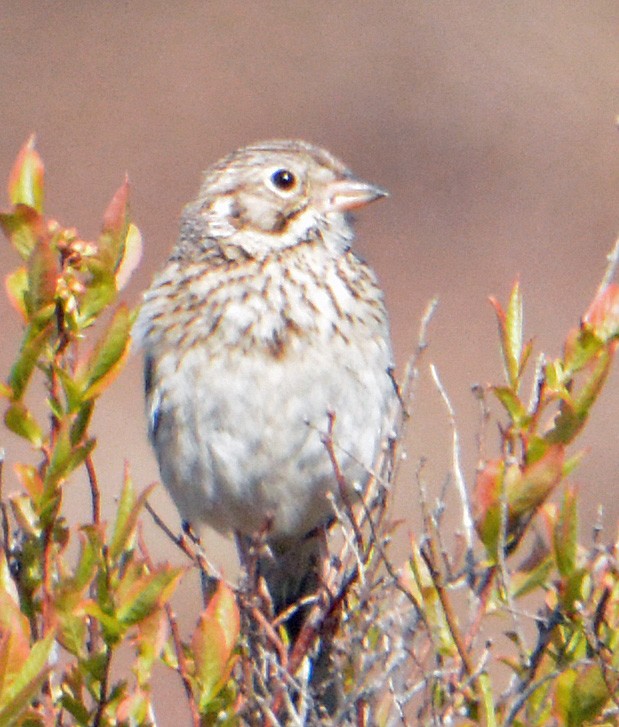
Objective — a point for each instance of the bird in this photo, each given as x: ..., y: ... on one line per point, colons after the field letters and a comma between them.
x: 264, y: 331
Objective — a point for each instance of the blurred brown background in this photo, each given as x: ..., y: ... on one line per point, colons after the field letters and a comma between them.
x: 492, y: 124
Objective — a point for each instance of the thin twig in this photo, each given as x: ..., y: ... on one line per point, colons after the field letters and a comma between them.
x: 430, y: 559
x: 179, y: 540
x: 103, y: 683
x: 95, y: 493
x: 410, y: 370
x: 6, y: 528
x: 342, y: 485
x: 467, y: 517
x: 182, y: 669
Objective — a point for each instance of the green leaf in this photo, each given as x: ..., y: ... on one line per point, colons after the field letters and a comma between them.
x: 16, y: 697
x: 486, y: 504
x: 26, y: 177
x: 424, y: 591
x: 113, y: 629
x: 106, y: 358
x: 485, y: 686
x: 564, y: 690
x: 72, y: 632
x: 573, y: 588
x: 36, y: 337
x: 24, y: 228
x: 213, y: 643
x: 71, y: 388
x: 223, y: 608
x: 211, y: 654
x: 30, y: 480
x: 81, y: 422
x: 131, y: 256
x: 148, y: 592
x: 536, y: 448
x: 581, y: 697
x: 90, y: 555
x: 565, y: 535
x: 66, y: 456
x: 530, y: 489
x: 574, y: 413
x: 127, y: 516
x: 100, y: 292
x: 16, y: 284
x: 76, y: 709
x: 20, y: 421
x: 150, y: 642
x: 513, y: 335
x: 526, y: 581
x: 513, y: 405
x: 97, y: 665
x: 586, y: 396
x: 582, y: 346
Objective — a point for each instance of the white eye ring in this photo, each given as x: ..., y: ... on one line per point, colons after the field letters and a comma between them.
x: 283, y: 181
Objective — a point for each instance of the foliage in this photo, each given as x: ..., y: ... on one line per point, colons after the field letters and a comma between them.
x: 414, y: 644
x: 61, y: 623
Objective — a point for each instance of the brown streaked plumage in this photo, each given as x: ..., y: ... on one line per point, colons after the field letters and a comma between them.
x: 261, y: 324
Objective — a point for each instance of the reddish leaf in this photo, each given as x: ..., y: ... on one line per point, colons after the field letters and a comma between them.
x: 210, y: 652
x: 603, y: 313
x: 115, y: 216
x: 42, y: 277
x: 486, y: 503
x: 530, y: 489
x: 223, y: 608
x: 115, y: 226
x: 17, y: 696
x: 14, y: 628
x: 500, y: 313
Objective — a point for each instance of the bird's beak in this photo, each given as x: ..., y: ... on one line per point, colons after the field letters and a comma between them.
x: 347, y: 194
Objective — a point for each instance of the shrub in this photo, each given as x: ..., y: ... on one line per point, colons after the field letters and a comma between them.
x: 407, y: 644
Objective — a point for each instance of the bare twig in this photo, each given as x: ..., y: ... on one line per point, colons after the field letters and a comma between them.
x: 467, y: 517
x: 342, y: 485
x: 6, y: 529
x: 95, y: 493
x: 410, y: 370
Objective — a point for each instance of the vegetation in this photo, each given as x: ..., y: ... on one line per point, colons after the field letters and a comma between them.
x: 411, y: 644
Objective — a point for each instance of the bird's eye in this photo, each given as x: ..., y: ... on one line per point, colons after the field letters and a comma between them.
x: 284, y: 180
